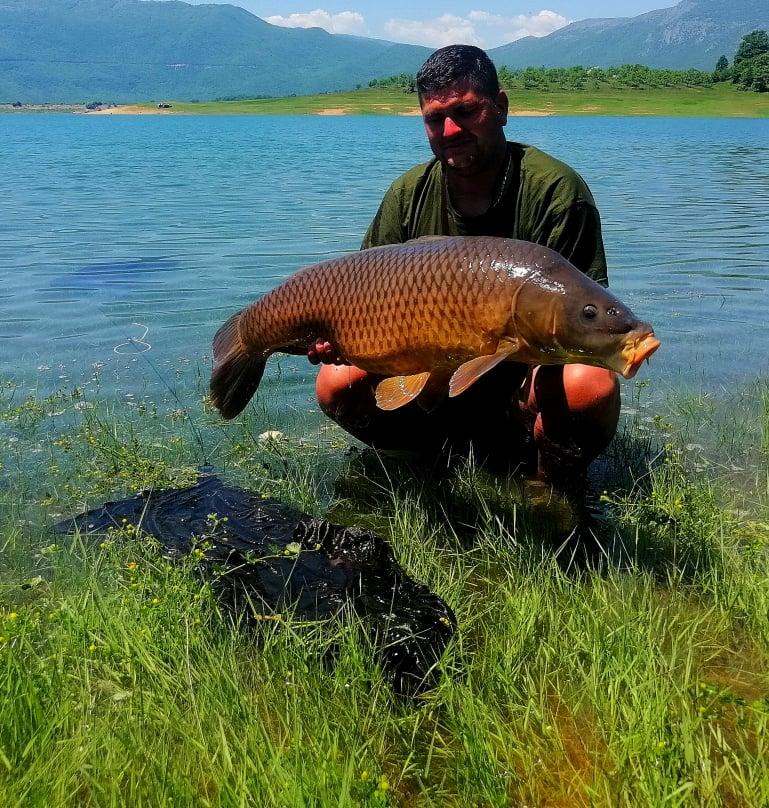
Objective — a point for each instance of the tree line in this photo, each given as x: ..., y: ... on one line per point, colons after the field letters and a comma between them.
x: 750, y: 65
x: 546, y: 79
x: 749, y: 69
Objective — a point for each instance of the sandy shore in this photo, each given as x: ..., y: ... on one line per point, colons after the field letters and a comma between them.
x: 516, y: 113
x: 129, y: 109
x: 134, y: 109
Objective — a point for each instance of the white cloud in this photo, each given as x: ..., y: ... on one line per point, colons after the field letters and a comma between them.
x: 476, y: 28
x: 345, y: 22
x: 444, y: 30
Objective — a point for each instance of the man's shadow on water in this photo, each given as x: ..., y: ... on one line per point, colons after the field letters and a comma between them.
x: 594, y: 527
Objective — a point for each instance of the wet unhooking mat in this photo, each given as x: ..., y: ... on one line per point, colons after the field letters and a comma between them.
x: 328, y: 569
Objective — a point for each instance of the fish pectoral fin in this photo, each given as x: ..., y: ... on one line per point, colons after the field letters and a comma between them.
x: 396, y: 391
x: 435, y: 390
x: 469, y: 373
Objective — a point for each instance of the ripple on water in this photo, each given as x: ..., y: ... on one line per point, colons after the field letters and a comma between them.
x: 188, y: 219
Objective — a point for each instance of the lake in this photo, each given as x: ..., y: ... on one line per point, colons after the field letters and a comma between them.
x: 123, y: 234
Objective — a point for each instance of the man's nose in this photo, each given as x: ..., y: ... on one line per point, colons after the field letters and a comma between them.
x: 450, y: 128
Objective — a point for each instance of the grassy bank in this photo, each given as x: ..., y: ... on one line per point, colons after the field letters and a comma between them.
x: 624, y: 668
x: 719, y: 100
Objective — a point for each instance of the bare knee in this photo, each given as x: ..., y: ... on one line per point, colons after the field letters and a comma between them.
x: 575, y: 405
x: 342, y: 387
x: 590, y: 389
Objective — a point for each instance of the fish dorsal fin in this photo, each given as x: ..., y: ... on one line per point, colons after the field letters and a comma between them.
x: 469, y: 373
x: 426, y: 238
x: 396, y: 391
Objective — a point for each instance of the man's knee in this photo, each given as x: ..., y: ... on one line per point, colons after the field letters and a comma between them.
x: 591, y: 389
x: 576, y: 403
x: 341, y: 387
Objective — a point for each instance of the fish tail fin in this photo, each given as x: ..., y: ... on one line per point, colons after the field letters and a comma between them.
x: 237, y: 371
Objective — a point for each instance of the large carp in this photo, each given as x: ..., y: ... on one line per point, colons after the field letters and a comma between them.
x: 433, y: 315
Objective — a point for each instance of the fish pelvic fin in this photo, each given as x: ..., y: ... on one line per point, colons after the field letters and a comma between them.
x: 469, y: 373
x: 396, y: 391
x: 236, y: 373
x: 435, y: 390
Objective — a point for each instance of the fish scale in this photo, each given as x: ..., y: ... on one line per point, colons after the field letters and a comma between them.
x: 428, y: 307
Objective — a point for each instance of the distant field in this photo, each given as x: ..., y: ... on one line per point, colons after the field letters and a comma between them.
x: 720, y: 100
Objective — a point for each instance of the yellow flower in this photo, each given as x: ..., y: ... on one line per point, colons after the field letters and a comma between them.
x: 364, y: 775
x: 383, y: 784
x: 131, y: 566
x: 12, y: 616
x: 91, y: 647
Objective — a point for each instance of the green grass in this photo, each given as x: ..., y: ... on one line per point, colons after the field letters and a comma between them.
x: 636, y: 677
x: 719, y: 100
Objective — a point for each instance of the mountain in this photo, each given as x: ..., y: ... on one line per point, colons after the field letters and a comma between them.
x: 139, y: 50
x: 135, y: 50
x: 693, y: 33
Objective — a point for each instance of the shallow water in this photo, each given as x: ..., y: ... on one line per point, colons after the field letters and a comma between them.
x: 121, y: 235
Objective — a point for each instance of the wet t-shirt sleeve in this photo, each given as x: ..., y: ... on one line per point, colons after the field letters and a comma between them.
x: 575, y: 233
x: 387, y: 226
x: 557, y: 209
x: 391, y: 222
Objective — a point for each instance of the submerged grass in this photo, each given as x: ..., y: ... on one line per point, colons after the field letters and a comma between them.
x: 624, y: 666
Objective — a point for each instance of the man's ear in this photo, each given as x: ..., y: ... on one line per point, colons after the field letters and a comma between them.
x: 502, y: 104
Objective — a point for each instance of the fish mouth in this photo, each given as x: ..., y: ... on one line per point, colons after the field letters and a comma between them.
x: 634, y: 353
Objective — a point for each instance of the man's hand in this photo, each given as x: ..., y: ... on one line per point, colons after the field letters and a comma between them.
x: 323, y: 352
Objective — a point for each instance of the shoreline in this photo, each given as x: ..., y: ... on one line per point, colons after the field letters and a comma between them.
x: 719, y: 101
x: 335, y: 112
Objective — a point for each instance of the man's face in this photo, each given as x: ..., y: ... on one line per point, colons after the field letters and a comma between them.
x: 464, y: 127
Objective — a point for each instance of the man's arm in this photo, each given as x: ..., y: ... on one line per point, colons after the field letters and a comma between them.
x: 575, y: 233
x: 388, y: 226
x: 558, y: 210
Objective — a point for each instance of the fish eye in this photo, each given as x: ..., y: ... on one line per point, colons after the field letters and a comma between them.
x: 590, y: 311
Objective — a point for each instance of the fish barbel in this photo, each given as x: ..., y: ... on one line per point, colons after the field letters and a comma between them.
x: 432, y: 315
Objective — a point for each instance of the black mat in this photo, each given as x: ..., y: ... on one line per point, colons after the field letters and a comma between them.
x: 329, y: 569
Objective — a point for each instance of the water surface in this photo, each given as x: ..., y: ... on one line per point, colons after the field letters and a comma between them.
x: 155, y: 228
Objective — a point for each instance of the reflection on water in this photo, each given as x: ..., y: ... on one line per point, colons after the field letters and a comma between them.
x: 172, y: 223
x: 114, y: 273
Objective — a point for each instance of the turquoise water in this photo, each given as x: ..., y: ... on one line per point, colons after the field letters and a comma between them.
x: 155, y: 229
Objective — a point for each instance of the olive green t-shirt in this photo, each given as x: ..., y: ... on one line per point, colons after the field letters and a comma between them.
x: 538, y: 199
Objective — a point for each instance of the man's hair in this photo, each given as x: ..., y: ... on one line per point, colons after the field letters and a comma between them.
x: 458, y: 64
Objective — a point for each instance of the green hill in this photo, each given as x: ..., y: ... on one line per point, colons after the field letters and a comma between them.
x: 127, y: 50
x: 693, y: 33
x: 144, y: 50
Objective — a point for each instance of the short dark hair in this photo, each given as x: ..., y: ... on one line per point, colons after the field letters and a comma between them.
x: 458, y: 64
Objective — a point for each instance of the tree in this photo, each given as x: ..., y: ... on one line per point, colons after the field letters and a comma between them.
x: 751, y: 62
x: 722, y: 72
x: 754, y: 73
x: 753, y: 44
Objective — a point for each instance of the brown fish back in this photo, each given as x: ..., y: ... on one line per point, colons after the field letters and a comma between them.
x: 447, y: 294
x: 427, y: 305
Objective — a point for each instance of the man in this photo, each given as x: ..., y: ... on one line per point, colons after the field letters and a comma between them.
x: 479, y: 184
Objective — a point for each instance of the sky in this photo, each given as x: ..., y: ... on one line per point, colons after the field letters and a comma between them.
x: 434, y: 23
